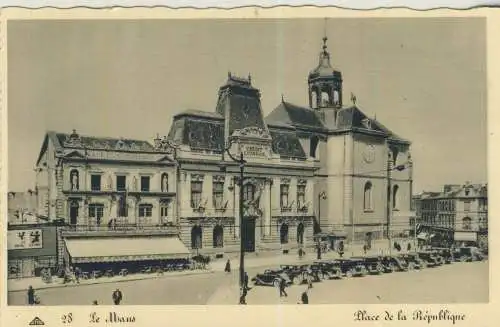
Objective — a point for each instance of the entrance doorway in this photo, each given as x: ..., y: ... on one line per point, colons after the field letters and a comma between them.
x: 249, y: 234
x: 73, y: 212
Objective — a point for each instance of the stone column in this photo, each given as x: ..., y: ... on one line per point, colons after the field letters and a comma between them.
x: 266, y: 208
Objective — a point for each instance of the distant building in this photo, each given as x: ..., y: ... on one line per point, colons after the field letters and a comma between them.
x: 457, y: 214
x: 22, y: 207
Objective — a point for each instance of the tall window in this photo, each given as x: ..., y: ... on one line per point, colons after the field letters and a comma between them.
x: 121, y: 183
x: 196, y: 190
x: 248, y: 192
x: 301, y: 196
x: 218, y: 237
x: 145, y: 183
x: 164, y: 210
x: 96, y: 211
x: 395, y: 197
x: 466, y: 223
x: 145, y: 210
x: 368, y: 205
x: 218, y: 194
x: 196, y: 237
x: 95, y: 182
x: 313, y: 146
x: 466, y: 206
x: 284, y: 234
x: 284, y: 196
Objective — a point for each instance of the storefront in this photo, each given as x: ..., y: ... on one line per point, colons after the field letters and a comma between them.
x: 123, y: 252
x: 31, y: 248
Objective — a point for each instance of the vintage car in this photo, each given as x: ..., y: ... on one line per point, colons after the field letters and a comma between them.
x: 392, y: 263
x: 429, y: 259
x: 413, y: 261
x: 467, y: 254
x: 271, y: 278
x: 373, y: 264
x: 297, y: 274
x: 445, y: 254
x: 351, y: 267
x: 328, y: 269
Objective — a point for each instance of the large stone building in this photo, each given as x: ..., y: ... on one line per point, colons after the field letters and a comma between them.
x: 325, y: 166
x: 457, y: 214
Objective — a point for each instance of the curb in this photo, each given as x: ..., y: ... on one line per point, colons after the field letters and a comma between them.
x: 111, y: 281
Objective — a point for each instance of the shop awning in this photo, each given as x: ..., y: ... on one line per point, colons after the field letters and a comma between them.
x: 113, y: 249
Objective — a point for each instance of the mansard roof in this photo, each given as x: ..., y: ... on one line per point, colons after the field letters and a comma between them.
x: 348, y: 119
x: 300, y: 117
x: 202, y: 134
x: 286, y: 144
x: 77, y: 146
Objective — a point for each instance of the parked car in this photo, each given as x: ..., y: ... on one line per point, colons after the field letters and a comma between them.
x: 373, y: 264
x: 467, y: 254
x: 329, y: 269
x: 429, y: 259
x: 445, y: 253
x: 297, y: 274
x: 271, y: 278
x: 393, y: 263
x: 352, y: 267
x: 414, y: 262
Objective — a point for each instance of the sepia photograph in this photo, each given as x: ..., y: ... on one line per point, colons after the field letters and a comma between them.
x: 247, y: 161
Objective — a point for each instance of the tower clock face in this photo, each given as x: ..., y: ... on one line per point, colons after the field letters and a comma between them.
x: 369, y: 154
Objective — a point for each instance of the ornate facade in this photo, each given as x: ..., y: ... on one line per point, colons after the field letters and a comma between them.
x: 363, y: 183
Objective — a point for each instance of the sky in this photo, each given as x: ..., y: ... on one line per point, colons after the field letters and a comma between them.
x: 424, y: 78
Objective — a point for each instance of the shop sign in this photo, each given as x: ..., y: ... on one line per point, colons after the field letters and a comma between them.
x: 24, y: 239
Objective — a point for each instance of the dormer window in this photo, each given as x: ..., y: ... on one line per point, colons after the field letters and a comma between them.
x: 367, y: 123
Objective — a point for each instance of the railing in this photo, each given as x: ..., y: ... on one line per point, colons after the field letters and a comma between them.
x: 122, y: 229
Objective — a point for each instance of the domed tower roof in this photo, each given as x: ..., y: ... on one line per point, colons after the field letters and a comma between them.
x: 324, y: 68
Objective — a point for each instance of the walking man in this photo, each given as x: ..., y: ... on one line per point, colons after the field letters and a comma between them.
x: 246, y: 282
x: 304, y: 297
x: 31, y: 296
x: 228, y: 266
x: 282, y: 287
x: 117, y: 297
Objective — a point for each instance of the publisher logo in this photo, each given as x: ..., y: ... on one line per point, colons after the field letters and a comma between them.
x: 36, y: 322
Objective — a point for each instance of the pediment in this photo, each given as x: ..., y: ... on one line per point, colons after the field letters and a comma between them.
x: 74, y: 154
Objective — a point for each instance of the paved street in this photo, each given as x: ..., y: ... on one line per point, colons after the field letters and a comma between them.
x: 456, y: 283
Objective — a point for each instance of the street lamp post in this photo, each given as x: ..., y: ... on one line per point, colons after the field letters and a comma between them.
x: 321, y: 196
x: 241, y: 161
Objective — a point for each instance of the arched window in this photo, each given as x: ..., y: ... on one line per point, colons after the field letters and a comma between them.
x: 300, y: 233
x: 395, y: 197
x: 248, y: 192
x: 313, y: 146
x: 196, y: 237
x: 325, y: 99
x: 218, y: 238
x: 336, y: 97
x: 164, y: 182
x: 284, y: 234
x: 466, y: 223
x: 314, y: 100
x: 74, y: 180
x: 368, y: 205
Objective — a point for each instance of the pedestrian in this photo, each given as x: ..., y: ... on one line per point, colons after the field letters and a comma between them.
x: 31, y: 295
x: 408, y: 248
x: 304, y: 297
x: 319, y: 251
x: 246, y: 281
x: 365, y: 247
x: 341, y: 249
x: 228, y: 266
x: 117, y: 297
x: 77, y: 275
x: 243, y: 296
x: 282, y: 287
